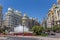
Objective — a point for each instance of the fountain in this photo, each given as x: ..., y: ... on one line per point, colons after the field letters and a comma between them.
x: 20, y: 29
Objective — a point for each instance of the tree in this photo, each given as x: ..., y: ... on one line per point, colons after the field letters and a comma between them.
x: 37, y: 30
x: 55, y: 28
x: 1, y: 30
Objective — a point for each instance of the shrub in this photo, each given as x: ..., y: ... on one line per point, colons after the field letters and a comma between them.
x: 43, y: 34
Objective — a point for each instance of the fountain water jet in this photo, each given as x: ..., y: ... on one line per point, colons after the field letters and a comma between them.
x: 19, y: 29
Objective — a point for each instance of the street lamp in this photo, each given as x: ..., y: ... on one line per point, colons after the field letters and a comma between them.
x: 23, y: 29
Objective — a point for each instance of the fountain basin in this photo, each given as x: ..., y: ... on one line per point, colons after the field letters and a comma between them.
x: 25, y: 34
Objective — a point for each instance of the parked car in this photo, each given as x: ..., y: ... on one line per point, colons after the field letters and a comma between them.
x: 58, y: 31
x: 52, y: 33
x: 47, y: 33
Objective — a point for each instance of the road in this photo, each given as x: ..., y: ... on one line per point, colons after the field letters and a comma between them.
x: 20, y: 38
x: 57, y: 35
x: 17, y: 38
x: 50, y: 37
x: 29, y: 38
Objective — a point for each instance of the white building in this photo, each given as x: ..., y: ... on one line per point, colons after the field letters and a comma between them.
x: 12, y: 18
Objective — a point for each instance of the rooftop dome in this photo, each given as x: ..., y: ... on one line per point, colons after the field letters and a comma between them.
x: 9, y: 12
x: 25, y: 16
x: 10, y: 9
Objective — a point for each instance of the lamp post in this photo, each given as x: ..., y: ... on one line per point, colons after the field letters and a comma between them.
x: 23, y: 29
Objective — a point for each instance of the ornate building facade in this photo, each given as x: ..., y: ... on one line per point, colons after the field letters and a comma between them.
x: 53, y: 17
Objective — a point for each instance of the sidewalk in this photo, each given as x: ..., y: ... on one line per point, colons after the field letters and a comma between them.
x: 3, y: 38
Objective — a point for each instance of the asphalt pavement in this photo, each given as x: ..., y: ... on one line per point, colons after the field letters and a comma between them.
x: 56, y: 37
x: 20, y: 38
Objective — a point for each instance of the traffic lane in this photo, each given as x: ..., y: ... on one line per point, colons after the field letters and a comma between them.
x: 20, y: 38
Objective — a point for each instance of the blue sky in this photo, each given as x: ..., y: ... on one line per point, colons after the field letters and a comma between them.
x: 33, y: 8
